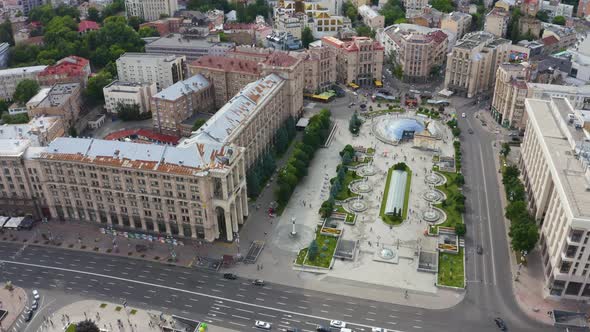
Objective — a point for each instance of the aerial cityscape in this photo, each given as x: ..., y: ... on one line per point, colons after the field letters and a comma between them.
x: 294, y: 165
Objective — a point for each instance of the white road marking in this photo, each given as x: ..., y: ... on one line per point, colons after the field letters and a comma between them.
x: 281, y: 303
x: 259, y: 299
x: 244, y: 310
x: 267, y: 315
x: 237, y: 324
x: 240, y: 317
x: 489, y: 221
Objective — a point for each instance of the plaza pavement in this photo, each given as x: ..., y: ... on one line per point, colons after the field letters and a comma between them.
x: 14, y: 302
x: 108, y: 318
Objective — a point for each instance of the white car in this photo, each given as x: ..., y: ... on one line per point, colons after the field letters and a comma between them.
x: 463, y: 115
x: 36, y: 295
x: 337, y: 323
x: 262, y: 325
x: 378, y: 329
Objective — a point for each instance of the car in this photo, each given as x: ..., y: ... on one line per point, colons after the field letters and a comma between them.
x: 262, y: 325
x: 378, y: 329
x: 36, y: 295
x: 293, y: 329
x: 321, y: 328
x: 500, y: 323
x: 337, y: 323
x: 258, y: 282
x: 230, y: 276
x: 463, y: 115
x: 470, y: 131
x: 28, y: 315
x: 479, y: 250
x: 34, y: 305
x: 350, y: 105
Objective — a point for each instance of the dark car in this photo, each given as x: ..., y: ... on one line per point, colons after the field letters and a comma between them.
x: 500, y: 323
x: 321, y: 328
x: 230, y: 276
x: 293, y: 329
x: 258, y: 282
x: 479, y: 250
x: 28, y: 315
x: 470, y: 131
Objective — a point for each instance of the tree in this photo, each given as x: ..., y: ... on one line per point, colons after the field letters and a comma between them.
x: 269, y: 164
x: 354, y: 124
x: 351, y: 12
x: 4, y: 104
x: 516, y: 211
x: 15, y: 119
x: 253, y: 183
x: 559, y: 20
x: 131, y: 112
x: 145, y: 32
x: 460, y: 180
x: 392, y: 11
x: 134, y: 22
x: 401, y: 20
x: 307, y: 37
x: 25, y: 90
x: 347, y: 148
x: 281, y: 140
x: 543, y: 15
x: 312, y: 252
x: 206, y: 5
x: 365, y: 31
x: 73, y: 132
x: 87, y: 326
x: 6, y: 35
x: 198, y: 124
x: 445, y: 6
x: 96, y: 83
x: 93, y: 15
x: 524, y: 235
x: 398, y: 71
x: 460, y: 229
x: 346, y: 158
x: 505, y: 151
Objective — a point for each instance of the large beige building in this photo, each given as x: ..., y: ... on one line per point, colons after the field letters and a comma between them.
x: 164, y: 70
x: 250, y: 119
x: 179, y: 102
x: 371, y: 18
x: 578, y: 96
x: 62, y: 99
x: 414, y: 7
x: 9, y: 79
x: 128, y: 93
x: 358, y: 61
x: 319, y: 64
x: 458, y: 23
x: 418, y: 50
x: 150, y: 10
x: 473, y: 62
x: 510, y: 92
x: 496, y: 22
x: 555, y: 159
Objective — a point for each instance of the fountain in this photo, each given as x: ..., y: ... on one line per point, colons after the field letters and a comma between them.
x: 435, y: 179
x: 357, y: 205
x: 360, y: 187
x: 434, y: 196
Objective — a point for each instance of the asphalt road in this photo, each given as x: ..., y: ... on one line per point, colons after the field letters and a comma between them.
x: 236, y: 304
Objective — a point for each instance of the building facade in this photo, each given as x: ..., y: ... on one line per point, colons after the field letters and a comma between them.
x: 473, y: 62
x: 319, y: 66
x: 418, y: 50
x: 510, y: 91
x: 456, y: 22
x: 180, y: 101
x: 497, y: 21
x: 358, y: 61
x: 72, y: 69
x: 371, y: 18
x: 554, y: 166
x: 583, y: 8
x: 414, y: 7
x: 9, y: 78
x: 62, y: 99
x: 578, y: 96
x: 189, y: 47
x: 165, y: 70
x: 150, y: 10
x: 128, y: 93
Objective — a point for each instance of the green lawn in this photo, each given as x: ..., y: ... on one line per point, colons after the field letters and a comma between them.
x: 319, y: 261
x: 71, y: 328
x: 450, y: 188
x: 390, y: 219
x: 356, y: 163
x: 349, y: 216
x: 344, y: 191
x: 370, y: 151
x: 430, y: 113
x: 451, y: 271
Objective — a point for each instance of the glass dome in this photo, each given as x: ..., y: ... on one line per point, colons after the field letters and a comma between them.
x: 394, y: 129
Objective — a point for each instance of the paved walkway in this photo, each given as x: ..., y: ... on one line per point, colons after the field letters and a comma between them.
x: 111, y: 317
x: 14, y: 302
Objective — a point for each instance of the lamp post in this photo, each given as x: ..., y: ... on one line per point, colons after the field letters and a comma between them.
x: 293, y: 232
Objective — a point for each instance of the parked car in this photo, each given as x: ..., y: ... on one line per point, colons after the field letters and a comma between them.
x: 470, y: 131
x: 337, y: 323
x: 479, y: 250
x: 463, y: 115
x: 500, y: 324
x: 36, y: 295
x: 262, y: 325
x: 321, y: 328
x: 34, y: 305
x: 258, y: 282
x: 28, y: 315
x: 293, y: 329
x: 378, y: 329
x: 230, y: 276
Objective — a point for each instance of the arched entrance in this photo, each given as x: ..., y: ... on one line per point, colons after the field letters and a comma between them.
x: 221, y: 223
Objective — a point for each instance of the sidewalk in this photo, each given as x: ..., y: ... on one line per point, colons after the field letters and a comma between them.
x: 528, y: 289
x: 14, y: 302
x: 113, y: 318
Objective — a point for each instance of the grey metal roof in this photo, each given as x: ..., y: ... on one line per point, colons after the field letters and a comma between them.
x: 176, y: 90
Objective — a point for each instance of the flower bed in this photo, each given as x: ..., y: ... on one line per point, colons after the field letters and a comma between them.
x: 331, y: 231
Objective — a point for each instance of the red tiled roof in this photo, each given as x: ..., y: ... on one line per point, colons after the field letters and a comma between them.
x: 280, y: 59
x: 150, y: 135
x: 550, y: 40
x: 72, y: 66
x: 438, y: 36
x: 226, y: 64
x: 87, y: 25
x: 36, y: 24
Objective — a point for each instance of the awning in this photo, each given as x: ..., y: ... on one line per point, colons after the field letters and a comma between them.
x: 378, y: 84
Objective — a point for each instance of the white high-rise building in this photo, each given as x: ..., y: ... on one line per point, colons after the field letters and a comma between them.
x: 128, y: 93
x: 555, y: 159
x: 150, y: 10
x: 163, y: 69
x: 9, y: 78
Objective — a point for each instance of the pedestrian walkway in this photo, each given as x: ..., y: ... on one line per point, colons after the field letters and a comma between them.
x: 113, y: 317
x: 13, y: 303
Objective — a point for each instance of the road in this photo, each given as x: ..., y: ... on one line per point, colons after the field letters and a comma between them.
x: 237, y: 304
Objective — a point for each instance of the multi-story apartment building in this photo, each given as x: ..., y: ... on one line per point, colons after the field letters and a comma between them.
x: 414, y: 7
x: 150, y: 10
x: 497, y: 21
x: 556, y: 8
x: 9, y: 79
x: 72, y: 69
x: 566, y: 36
x: 358, y: 61
x: 292, y: 24
x: 318, y: 16
x: 319, y: 66
x: 418, y: 50
x: 180, y: 101
x: 163, y: 69
x: 473, y: 62
x: 30, y: 4
x: 250, y: 119
x: 458, y: 23
x: 62, y: 99
x: 554, y: 162
x: 510, y: 92
x: 191, y: 48
x: 40, y: 130
x: 371, y: 18
x: 578, y: 96
x: 228, y: 75
x: 583, y: 8
x: 128, y: 93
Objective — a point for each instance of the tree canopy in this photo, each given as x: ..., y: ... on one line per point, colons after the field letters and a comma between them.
x: 148, y: 32
x: 247, y: 13
x: 307, y: 37
x: 87, y: 326
x: 392, y: 11
x: 96, y: 83
x: 445, y: 6
x: 25, y: 90
x: 559, y: 20
x: 6, y: 33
